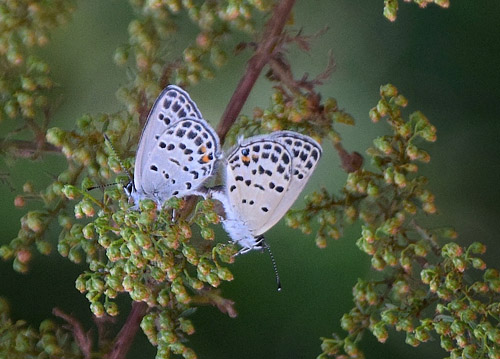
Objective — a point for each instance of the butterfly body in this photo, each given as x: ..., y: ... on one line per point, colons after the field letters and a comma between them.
x: 177, y: 151
x: 264, y: 175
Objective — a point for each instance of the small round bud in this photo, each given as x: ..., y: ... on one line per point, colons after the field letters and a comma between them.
x: 97, y: 309
x: 19, y: 201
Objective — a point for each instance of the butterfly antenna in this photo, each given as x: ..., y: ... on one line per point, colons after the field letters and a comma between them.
x: 113, y: 151
x: 102, y: 186
x: 278, y: 281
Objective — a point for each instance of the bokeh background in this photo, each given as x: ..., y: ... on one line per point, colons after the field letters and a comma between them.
x: 446, y: 62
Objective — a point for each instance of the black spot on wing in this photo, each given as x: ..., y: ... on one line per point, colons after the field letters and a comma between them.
x: 303, y: 156
x: 180, y: 132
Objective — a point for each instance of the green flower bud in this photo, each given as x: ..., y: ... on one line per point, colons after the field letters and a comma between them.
x: 186, y: 326
x: 451, y: 250
x: 477, y: 248
x: 446, y: 343
x: 458, y: 327
x: 43, y: 247
x: 80, y: 284
x: 400, y: 179
x: 372, y: 190
x: 224, y: 274
x: 412, y: 340
x: 383, y: 145
x: 75, y: 255
x: 188, y: 353
x: 35, y: 221
x: 97, y: 309
x: 459, y: 263
x: 442, y: 328
x: 404, y: 324
x: 111, y: 309
x: 71, y: 192
x: 422, y: 334
x: 213, y: 280
x: 378, y: 263
x: 55, y: 136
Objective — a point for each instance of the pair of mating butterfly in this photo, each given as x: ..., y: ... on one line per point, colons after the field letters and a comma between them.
x: 178, y: 151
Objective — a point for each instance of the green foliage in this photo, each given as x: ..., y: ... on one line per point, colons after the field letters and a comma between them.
x: 391, y: 6
x: 18, y: 340
x: 425, y: 286
x: 156, y: 25
x: 25, y: 25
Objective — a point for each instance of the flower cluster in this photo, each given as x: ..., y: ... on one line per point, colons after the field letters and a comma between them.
x: 300, y: 112
x: 155, y: 26
x: 425, y: 288
x: 25, y: 77
x: 391, y: 6
x: 18, y: 340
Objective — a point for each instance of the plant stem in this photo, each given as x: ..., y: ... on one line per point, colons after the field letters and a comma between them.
x: 124, y: 339
x: 83, y: 339
x: 26, y: 149
x: 263, y: 54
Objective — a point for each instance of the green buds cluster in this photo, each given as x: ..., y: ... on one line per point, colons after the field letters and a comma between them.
x: 156, y: 24
x: 304, y: 113
x: 18, y: 340
x: 25, y: 80
x: 391, y: 6
x: 418, y: 271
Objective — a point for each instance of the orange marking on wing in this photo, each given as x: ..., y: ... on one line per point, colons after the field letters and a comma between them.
x: 205, y: 159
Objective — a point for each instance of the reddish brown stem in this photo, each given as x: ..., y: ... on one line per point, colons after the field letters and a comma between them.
x: 263, y: 54
x: 26, y: 149
x: 125, y: 337
x: 83, y: 339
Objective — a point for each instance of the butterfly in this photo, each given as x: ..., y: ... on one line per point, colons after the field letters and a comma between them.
x: 177, y: 150
x: 264, y: 175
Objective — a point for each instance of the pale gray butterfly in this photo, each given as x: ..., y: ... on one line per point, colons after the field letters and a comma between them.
x: 177, y: 151
x: 264, y: 175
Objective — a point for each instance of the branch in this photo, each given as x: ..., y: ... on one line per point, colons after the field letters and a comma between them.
x: 83, y: 339
x: 262, y: 55
x: 124, y: 339
x: 26, y: 149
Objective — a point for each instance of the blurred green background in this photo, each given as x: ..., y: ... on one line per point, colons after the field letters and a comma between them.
x: 446, y: 62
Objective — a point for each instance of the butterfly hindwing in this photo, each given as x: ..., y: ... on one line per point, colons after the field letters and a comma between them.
x: 257, y: 174
x: 182, y: 159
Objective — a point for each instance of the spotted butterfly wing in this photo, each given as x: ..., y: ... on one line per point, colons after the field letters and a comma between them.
x: 305, y: 153
x: 177, y: 150
x: 265, y: 175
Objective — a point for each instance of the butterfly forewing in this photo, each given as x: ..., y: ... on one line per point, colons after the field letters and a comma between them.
x: 172, y: 105
x: 305, y: 154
